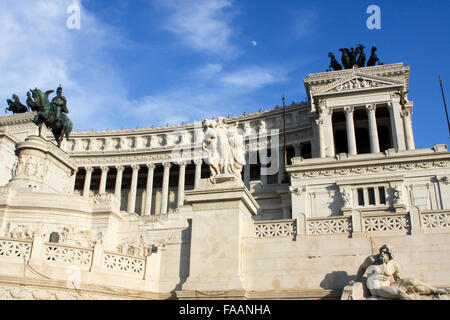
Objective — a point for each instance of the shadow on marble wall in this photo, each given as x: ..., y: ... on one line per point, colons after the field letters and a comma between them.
x: 185, y: 254
x: 336, y: 280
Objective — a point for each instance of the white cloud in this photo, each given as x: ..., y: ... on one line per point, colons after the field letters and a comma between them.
x: 253, y: 77
x: 38, y: 50
x: 304, y: 22
x: 208, y: 71
x: 202, y: 24
x: 217, y: 94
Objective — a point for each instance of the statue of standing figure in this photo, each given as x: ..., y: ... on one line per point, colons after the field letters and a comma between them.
x: 223, y: 150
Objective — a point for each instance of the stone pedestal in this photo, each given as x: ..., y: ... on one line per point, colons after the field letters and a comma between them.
x: 42, y: 167
x: 221, y: 218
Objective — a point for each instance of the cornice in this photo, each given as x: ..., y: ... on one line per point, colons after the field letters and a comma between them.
x: 330, y: 167
x: 260, y: 115
x: 20, y: 118
x: 381, y: 73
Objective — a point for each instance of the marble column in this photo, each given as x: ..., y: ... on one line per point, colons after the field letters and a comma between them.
x: 149, y: 189
x: 327, y: 118
x: 319, y: 123
x: 373, y: 130
x: 351, y: 138
x: 118, y: 187
x: 87, y: 181
x: 409, y: 138
x: 398, y: 132
x: 103, y: 178
x: 133, y: 189
x: 181, y: 180
x: 198, y: 172
x: 165, y: 188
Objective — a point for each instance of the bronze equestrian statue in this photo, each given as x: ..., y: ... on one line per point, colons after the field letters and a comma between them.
x: 52, y: 114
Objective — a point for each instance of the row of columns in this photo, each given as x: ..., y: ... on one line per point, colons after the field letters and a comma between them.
x: 373, y: 130
x: 131, y: 206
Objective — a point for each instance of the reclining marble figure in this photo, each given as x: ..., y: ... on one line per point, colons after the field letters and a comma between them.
x: 385, y: 281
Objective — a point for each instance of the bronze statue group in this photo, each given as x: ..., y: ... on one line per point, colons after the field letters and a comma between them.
x: 53, y: 114
x: 353, y: 57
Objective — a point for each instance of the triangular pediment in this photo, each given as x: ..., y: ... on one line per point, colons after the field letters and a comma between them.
x: 359, y: 81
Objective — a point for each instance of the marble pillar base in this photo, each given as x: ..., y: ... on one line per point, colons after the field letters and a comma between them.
x: 221, y: 218
x: 42, y: 167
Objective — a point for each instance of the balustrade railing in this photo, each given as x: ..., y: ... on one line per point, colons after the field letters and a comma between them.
x: 275, y: 228
x: 329, y: 225
x: 123, y: 263
x: 396, y: 223
x: 392, y: 222
x: 68, y: 254
x: 15, y: 248
x: 436, y: 219
x: 55, y: 255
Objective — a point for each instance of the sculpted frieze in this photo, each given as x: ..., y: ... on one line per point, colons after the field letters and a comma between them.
x: 370, y: 169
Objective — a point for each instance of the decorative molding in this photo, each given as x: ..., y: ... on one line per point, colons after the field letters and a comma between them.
x: 365, y: 169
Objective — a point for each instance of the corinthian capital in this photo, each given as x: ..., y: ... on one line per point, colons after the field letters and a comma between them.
x: 405, y: 113
x: 370, y: 107
x: 349, y: 110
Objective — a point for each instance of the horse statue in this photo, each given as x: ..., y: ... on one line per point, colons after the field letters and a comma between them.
x: 345, y: 59
x: 15, y: 106
x: 47, y: 113
x: 362, y: 56
x: 373, y: 58
x: 333, y: 63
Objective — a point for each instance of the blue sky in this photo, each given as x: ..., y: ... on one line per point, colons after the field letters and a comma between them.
x: 152, y: 62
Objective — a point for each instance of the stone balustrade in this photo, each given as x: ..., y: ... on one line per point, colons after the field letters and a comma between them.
x: 436, y: 219
x: 275, y: 228
x: 53, y: 256
x: 328, y: 225
x: 357, y: 224
x: 12, y: 248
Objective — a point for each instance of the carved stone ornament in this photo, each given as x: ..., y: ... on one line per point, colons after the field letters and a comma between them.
x: 444, y: 180
x: 139, y: 247
x: 297, y: 190
x: 104, y: 198
x: 346, y: 198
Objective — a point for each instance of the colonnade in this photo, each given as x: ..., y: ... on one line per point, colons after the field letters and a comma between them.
x: 372, y: 129
x: 131, y: 205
